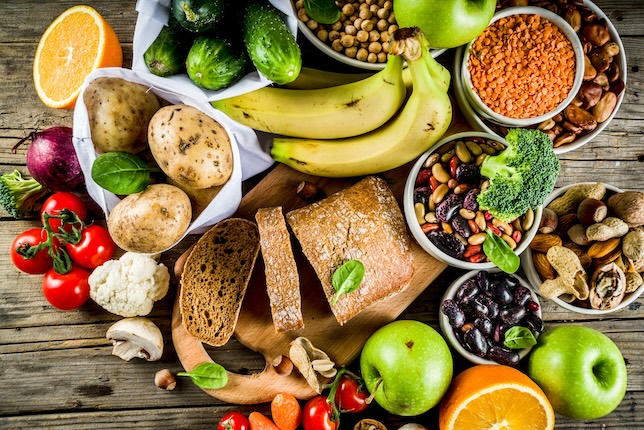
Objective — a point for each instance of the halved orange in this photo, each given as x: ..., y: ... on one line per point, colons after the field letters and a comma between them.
x: 78, y: 42
x: 495, y: 397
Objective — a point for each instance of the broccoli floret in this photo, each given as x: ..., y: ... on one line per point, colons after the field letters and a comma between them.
x: 521, y: 176
x: 19, y: 196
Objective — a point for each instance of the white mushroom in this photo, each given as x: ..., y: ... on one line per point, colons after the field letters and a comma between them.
x: 136, y: 337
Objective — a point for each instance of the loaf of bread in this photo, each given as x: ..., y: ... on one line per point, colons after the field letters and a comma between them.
x: 282, y: 279
x: 364, y: 223
x: 215, y: 278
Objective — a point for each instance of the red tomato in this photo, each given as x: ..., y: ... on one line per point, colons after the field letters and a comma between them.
x: 233, y: 421
x: 68, y: 291
x: 41, y: 262
x: 351, y: 397
x: 318, y: 415
x: 59, y: 201
x: 95, y: 247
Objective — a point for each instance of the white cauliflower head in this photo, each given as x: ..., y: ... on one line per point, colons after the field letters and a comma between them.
x: 129, y: 286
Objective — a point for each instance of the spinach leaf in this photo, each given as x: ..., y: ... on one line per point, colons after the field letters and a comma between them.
x: 347, y: 278
x: 121, y: 173
x: 500, y: 253
x: 322, y: 11
x: 210, y: 376
x: 518, y: 337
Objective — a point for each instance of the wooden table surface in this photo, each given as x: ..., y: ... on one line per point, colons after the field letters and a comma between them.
x: 56, y: 368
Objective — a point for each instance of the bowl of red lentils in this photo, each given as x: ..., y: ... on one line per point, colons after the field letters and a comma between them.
x: 441, y: 208
x: 525, y: 67
x: 359, y: 38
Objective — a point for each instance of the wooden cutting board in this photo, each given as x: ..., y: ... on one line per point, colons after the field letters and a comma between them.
x: 255, y: 327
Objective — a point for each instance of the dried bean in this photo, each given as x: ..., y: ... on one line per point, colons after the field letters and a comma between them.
x: 462, y: 152
x: 480, y: 220
x: 467, y: 214
x: 446, y: 156
x: 604, y: 108
x: 473, y: 226
x: 419, y: 210
x: 476, y: 239
x: 431, y: 160
x: 473, y: 147
x: 528, y: 220
x: 431, y: 217
x: 439, y: 193
x: 426, y: 228
x: 509, y: 241
x: 440, y: 173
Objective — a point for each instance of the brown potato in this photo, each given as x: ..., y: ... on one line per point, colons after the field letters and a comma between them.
x: 119, y: 112
x: 150, y: 221
x: 190, y: 147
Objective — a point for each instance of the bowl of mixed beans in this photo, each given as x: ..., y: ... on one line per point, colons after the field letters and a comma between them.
x: 441, y: 208
x: 525, y: 67
x: 359, y: 38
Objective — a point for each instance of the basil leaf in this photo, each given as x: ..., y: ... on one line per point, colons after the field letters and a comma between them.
x: 322, y: 11
x: 121, y: 173
x: 347, y: 278
x: 210, y: 376
x: 518, y: 337
x: 500, y: 253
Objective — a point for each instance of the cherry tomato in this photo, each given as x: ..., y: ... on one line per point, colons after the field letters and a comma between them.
x: 41, y: 262
x: 68, y: 291
x: 351, y: 397
x: 233, y: 421
x: 59, y: 201
x: 95, y: 247
x: 318, y: 415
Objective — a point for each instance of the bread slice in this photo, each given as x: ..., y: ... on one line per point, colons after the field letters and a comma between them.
x: 364, y: 223
x: 215, y: 278
x: 282, y: 279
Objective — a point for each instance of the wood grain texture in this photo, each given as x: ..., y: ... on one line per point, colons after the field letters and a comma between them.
x: 56, y: 369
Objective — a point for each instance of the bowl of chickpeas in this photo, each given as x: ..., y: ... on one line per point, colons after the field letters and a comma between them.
x: 360, y: 38
x: 526, y: 67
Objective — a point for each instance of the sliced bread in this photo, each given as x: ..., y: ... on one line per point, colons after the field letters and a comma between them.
x: 215, y: 278
x: 364, y: 223
x: 282, y: 279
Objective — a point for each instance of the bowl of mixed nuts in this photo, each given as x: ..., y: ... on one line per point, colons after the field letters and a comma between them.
x: 525, y: 67
x: 359, y: 37
x: 602, y: 89
x: 588, y: 256
x: 491, y: 317
x: 441, y: 208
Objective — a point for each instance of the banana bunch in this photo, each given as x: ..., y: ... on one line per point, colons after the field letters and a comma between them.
x: 335, y: 112
x: 422, y: 121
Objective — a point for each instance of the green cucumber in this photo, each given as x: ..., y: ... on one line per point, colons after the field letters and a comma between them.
x: 214, y: 63
x: 271, y: 46
x: 198, y: 15
x: 167, y: 54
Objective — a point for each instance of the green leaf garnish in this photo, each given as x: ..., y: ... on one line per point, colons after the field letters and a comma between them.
x: 210, y: 376
x: 500, y: 253
x: 322, y: 11
x: 347, y: 278
x: 518, y: 337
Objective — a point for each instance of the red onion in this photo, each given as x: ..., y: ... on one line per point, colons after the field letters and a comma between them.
x: 51, y: 159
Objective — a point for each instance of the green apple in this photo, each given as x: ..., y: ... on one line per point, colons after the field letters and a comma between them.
x: 445, y: 23
x: 408, y: 365
x: 581, y: 371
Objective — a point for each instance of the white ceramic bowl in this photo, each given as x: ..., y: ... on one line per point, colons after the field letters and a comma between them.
x: 485, y: 111
x: 532, y: 275
x: 414, y: 226
x: 448, y: 330
x: 339, y: 56
x: 480, y: 123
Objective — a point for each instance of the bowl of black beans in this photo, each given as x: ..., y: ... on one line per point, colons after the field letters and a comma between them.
x: 491, y: 317
x: 441, y: 207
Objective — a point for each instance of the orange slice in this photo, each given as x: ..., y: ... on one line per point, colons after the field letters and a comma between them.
x: 495, y: 397
x: 78, y: 42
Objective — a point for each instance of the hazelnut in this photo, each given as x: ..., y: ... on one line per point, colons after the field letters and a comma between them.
x: 307, y: 190
x: 591, y: 211
x: 165, y: 379
x: 577, y: 233
x: 549, y: 221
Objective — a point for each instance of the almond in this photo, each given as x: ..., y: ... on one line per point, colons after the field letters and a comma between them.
x: 565, y: 222
x: 601, y: 249
x: 609, y: 257
x: 543, y: 242
x: 543, y: 266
